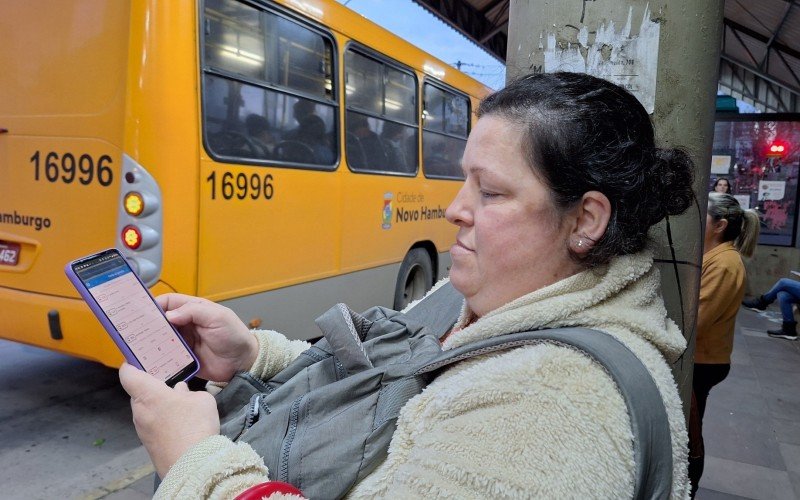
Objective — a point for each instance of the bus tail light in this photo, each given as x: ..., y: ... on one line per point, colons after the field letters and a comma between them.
x: 132, y: 237
x: 139, y: 237
x: 139, y: 204
x: 145, y: 269
x: 134, y: 203
x: 140, y: 221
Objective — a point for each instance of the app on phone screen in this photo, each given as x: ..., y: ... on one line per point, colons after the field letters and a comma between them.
x: 135, y: 316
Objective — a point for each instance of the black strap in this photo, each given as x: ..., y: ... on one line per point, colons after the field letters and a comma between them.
x: 652, y: 443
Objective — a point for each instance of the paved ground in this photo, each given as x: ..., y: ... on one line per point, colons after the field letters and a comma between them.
x: 752, y: 421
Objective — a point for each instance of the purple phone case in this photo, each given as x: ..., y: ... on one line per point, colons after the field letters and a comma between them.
x: 98, y: 312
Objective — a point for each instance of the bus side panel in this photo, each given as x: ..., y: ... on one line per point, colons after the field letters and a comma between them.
x: 415, y: 208
x: 251, y: 245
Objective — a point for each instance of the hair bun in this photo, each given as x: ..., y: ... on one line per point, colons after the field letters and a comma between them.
x: 673, y: 173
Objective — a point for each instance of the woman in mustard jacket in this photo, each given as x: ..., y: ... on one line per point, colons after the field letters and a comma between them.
x: 730, y: 233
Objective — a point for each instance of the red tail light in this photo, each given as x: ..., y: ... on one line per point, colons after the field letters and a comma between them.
x: 131, y: 237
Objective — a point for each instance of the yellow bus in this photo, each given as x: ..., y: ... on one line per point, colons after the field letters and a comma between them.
x: 273, y: 156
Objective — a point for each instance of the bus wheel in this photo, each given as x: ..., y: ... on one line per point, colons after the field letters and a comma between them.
x: 415, y: 278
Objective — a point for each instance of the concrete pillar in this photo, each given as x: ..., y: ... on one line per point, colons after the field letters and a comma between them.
x: 667, y: 53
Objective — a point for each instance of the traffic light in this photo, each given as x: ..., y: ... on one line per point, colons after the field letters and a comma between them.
x: 776, y: 149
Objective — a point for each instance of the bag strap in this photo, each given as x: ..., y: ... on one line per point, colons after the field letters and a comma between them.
x: 438, y: 310
x: 652, y: 445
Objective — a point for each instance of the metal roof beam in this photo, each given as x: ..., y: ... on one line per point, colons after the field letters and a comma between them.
x: 471, y: 23
x: 761, y: 38
x: 775, y: 34
x: 492, y: 5
x: 756, y: 71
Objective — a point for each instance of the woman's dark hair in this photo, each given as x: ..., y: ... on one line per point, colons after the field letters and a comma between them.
x: 727, y: 183
x: 584, y: 133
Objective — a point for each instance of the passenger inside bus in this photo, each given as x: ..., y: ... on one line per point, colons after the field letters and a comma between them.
x: 301, y: 109
x: 563, y: 182
x: 363, y: 139
x: 312, y: 133
x: 309, y: 142
x: 395, y: 145
x: 259, y: 131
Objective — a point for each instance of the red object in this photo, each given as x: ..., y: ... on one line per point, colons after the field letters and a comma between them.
x: 131, y: 237
x: 262, y: 490
x: 776, y: 149
x: 9, y: 253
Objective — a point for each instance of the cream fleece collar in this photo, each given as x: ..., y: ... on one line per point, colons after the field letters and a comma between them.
x: 624, y: 294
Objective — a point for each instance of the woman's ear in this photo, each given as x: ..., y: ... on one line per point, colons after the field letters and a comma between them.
x: 719, y: 227
x: 593, y: 214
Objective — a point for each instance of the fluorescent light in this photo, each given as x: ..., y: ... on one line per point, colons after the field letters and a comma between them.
x: 392, y: 104
x: 242, y: 55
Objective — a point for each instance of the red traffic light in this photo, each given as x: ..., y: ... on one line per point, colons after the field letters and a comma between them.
x: 776, y: 149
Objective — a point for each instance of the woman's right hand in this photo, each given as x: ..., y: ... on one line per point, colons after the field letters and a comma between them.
x: 219, y: 339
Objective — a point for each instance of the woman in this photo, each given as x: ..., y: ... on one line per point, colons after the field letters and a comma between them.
x: 722, y: 185
x: 563, y: 181
x: 730, y: 233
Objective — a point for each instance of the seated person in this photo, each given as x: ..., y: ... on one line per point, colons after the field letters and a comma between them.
x: 787, y: 291
x: 258, y: 130
x: 370, y: 143
x: 301, y: 109
x: 311, y: 132
x: 397, y: 157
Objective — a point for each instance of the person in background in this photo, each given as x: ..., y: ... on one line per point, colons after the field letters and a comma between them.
x: 730, y: 233
x: 563, y: 180
x: 722, y: 185
x: 259, y: 131
x: 787, y: 291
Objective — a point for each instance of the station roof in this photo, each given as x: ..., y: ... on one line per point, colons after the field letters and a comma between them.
x: 760, y: 57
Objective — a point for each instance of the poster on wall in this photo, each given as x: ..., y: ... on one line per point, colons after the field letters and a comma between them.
x: 771, y: 190
x: 720, y: 164
x: 744, y: 200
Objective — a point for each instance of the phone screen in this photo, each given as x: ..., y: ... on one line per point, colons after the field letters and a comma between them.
x: 134, y: 314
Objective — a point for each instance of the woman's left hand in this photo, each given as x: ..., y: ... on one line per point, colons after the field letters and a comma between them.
x: 168, y: 421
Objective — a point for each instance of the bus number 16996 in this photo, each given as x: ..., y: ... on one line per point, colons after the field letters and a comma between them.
x: 241, y: 186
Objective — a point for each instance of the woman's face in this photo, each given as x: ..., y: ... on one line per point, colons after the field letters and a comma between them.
x: 722, y: 186
x: 511, y: 240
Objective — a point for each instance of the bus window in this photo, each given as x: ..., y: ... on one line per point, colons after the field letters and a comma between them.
x: 444, y: 135
x: 381, y: 132
x: 268, y: 88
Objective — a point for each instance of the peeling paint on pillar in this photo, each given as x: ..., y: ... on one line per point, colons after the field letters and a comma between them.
x: 628, y: 60
x: 686, y: 67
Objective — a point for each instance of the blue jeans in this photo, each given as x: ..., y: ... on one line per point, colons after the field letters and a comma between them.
x: 787, y: 291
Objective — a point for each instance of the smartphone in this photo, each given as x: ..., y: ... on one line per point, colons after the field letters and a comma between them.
x: 131, y: 316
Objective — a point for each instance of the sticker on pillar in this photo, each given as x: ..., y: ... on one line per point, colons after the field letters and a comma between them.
x: 387, y: 211
x: 628, y: 60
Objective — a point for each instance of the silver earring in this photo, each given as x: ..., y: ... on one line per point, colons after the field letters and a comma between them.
x: 580, y: 243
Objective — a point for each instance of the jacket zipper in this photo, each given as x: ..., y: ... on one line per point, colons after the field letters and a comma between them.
x: 252, y: 411
x: 294, y: 415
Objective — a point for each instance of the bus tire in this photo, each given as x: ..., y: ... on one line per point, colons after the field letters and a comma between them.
x: 414, y: 279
